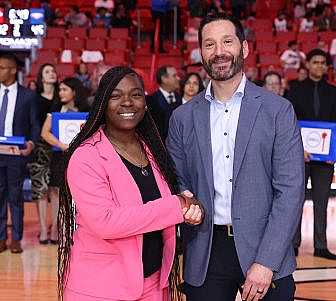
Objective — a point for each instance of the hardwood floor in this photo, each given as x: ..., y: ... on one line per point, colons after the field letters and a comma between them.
x: 31, y: 276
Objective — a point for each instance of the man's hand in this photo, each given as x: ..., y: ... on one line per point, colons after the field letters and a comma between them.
x: 29, y: 148
x: 306, y: 156
x: 258, y: 280
x: 192, y: 208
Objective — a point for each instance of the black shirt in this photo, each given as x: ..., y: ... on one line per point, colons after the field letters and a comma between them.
x: 302, y: 98
x: 152, y: 241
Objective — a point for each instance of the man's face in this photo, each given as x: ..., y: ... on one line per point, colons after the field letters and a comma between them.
x: 171, y: 80
x: 222, y: 53
x: 7, y: 71
x: 317, y: 66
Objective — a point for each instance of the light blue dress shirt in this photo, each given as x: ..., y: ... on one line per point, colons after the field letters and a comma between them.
x: 224, y: 117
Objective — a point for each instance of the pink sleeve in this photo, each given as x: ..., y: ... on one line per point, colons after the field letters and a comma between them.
x: 96, y: 208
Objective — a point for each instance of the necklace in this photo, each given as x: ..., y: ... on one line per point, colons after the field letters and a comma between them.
x: 143, y: 170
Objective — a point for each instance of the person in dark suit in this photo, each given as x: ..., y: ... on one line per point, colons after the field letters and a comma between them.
x: 165, y: 100
x: 18, y: 117
x: 237, y: 147
x: 314, y: 99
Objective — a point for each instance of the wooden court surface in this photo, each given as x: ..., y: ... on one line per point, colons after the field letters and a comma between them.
x: 31, y: 276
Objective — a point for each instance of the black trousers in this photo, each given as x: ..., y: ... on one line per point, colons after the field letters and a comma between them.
x: 321, y: 175
x: 224, y: 276
x: 11, y: 180
x: 163, y: 19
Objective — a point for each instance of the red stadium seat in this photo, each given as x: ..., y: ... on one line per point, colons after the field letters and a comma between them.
x: 113, y: 60
x: 304, y: 37
x: 73, y: 44
x: 47, y: 56
x: 269, y: 59
x: 307, y: 46
x: 94, y: 44
x: 144, y: 61
x: 56, y: 32
x: 117, y: 44
x: 119, y: 33
x: 327, y: 36
x: 144, y: 3
x: 266, y: 47
x: 290, y: 74
x: 65, y: 70
x: 285, y: 36
x: 77, y: 32
x: 282, y: 46
x: 175, y: 61
x: 251, y: 60
x: 98, y: 33
x: 53, y: 43
x: 264, y: 35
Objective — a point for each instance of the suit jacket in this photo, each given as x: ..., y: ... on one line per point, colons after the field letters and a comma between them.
x: 267, y: 186
x: 26, y: 118
x: 161, y: 110
x: 106, y: 258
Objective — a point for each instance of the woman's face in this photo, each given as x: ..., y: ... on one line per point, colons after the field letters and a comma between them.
x: 32, y: 85
x: 49, y: 75
x: 191, y: 87
x: 126, y: 106
x: 66, y: 94
x: 83, y: 69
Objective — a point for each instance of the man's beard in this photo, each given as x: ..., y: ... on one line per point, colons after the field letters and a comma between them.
x: 237, y: 64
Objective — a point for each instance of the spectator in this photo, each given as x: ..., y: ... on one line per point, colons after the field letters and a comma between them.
x: 302, y: 75
x: 108, y: 4
x: 82, y: 73
x: 307, y: 23
x: 59, y: 20
x: 49, y: 14
x: 166, y: 99
x: 280, y: 22
x: 215, y: 7
x: 121, y: 18
x: 326, y: 21
x: 272, y: 82
x: 160, y: 10
x: 102, y: 18
x: 32, y: 85
x: 75, y: 18
x: 252, y: 75
x: 191, y: 85
x: 195, y: 56
x: 39, y: 167
x: 324, y: 46
x: 292, y: 57
x: 299, y: 9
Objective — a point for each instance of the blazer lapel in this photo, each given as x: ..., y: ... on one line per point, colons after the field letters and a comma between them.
x: 248, y: 112
x: 18, y: 103
x: 201, y: 115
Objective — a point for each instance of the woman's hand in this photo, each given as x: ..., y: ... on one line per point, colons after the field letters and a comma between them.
x: 193, y: 211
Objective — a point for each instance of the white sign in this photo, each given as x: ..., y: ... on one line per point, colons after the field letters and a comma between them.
x: 316, y: 141
x: 68, y: 129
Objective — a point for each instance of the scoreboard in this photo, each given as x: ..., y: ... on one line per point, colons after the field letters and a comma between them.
x: 21, y: 28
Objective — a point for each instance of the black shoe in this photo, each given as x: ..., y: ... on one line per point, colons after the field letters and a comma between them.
x: 296, y: 252
x: 324, y: 253
x: 44, y: 242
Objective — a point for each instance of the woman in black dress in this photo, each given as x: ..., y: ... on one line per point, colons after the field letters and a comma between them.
x: 47, y: 89
x: 72, y: 99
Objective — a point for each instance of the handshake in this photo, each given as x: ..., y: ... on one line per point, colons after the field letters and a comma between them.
x: 192, y: 208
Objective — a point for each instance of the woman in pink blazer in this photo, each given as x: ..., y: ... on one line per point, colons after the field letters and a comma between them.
x: 117, y: 205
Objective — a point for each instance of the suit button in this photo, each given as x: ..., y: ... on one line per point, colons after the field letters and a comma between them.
x: 226, y: 111
x: 225, y: 134
x: 230, y: 180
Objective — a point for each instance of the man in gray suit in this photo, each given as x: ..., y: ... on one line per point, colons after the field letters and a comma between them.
x: 238, y: 149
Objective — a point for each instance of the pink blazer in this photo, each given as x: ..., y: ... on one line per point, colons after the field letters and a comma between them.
x: 106, y: 258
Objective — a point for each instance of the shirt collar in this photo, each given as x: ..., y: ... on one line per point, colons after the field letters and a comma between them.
x: 238, y: 93
x: 166, y: 93
x: 12, y: 87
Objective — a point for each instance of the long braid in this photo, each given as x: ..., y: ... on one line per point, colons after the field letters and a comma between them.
x: 148, y: 133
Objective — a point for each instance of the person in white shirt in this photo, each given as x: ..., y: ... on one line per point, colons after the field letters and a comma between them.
x: 307, y: 23
x: 108, y: 4
x: 292, y: 57
x: 280, y: 22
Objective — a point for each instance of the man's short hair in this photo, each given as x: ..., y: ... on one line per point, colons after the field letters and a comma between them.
x: 292, y: 43
x: 162, y: 71
x: 315, y: 52
x: 221, y: 17
x: 9, y: 56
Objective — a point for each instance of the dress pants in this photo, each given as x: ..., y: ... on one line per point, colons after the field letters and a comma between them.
x: 321, y: 175
x: 151, y: 292
x: 224, y: 276
x: 162, y: 16
x: 12, y: 170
